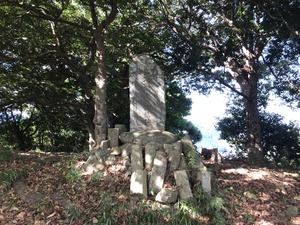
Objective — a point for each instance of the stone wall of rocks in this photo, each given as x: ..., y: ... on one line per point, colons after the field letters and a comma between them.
x: 158, y: 162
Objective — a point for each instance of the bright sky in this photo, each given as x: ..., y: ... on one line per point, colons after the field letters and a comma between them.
x: 206, y: 109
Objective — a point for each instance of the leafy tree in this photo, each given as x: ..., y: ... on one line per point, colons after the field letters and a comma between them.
x: 17, y: 130
x: 223, y: 43
x: 280, y: 141
x: 63, y: 58
x: 74, y: 32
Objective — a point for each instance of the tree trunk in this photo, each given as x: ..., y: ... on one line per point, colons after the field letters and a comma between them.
x: 248, y: 81
x: 100, y: 116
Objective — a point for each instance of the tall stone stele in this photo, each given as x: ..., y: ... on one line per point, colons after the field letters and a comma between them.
x: 147, y: 95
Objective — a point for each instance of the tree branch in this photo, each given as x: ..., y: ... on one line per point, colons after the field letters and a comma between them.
x: 41, y: 13
x: 113, y: 13
x: 8, y: 102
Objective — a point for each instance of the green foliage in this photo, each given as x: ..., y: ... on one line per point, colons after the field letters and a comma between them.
x: 214, y: 41
x: 5, y: 155
x: 73, y: 214
x: 26, y: 128
x: 210, y: 205
x: 57, y: 80
x: 143, y: 214
x: 74, y: 174
x: 96, y: 176
x: 192, y: 157
x: 280, y: 141
x: 8, y: 177
x: 48, y: 60
x: 204, y: 204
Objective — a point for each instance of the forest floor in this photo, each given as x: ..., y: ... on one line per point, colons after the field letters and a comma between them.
x: 44, y: 188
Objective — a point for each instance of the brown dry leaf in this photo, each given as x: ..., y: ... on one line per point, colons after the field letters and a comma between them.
x: 21, y: 216
x: 51, y: 215
x: 295, y: 220
x: 95, y: 220
x: 38, y: 222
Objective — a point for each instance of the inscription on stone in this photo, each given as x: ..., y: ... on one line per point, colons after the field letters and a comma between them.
x: 147, y: 95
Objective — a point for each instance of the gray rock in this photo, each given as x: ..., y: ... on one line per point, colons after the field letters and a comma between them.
x: 182, y: 164
x: 178, y: 146
x: 126, y: 161
x: 121, y: 127
x: 158, y: 172
x: 204, y: 177
x: 168, y: 148
x: 110, y: 160
x: 182, y: 182
x: 167, y: 196
x: 127, y: 137
x: 137, y: 161
x: 116, y: 151
x: 99, y: 167
x: 126, y: 149
x: 144, y: 137
x: 174, y: 159
x: 138, y: 184
x: 150, y: 151
x: 187, y: 145
x: 113, y: 136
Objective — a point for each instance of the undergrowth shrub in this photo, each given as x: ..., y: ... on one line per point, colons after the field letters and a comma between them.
x: 8, y: 177
x: 5, y: 155
x: 74, y: 174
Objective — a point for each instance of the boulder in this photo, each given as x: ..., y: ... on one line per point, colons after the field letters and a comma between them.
x: 187, y: 145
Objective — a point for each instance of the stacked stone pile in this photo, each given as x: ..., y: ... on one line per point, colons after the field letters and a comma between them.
x: 158, y: 162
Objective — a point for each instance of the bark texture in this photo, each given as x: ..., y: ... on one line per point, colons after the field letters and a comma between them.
x: 100, y: 120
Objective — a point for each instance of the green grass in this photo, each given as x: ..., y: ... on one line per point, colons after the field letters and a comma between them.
x: 9, y: 176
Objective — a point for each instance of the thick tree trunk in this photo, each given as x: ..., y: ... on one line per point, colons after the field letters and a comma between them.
x: 254, y: 144
x: 100, y: 116
x: 248, y: 81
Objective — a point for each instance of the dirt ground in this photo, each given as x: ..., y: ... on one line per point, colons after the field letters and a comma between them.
x: 259, y: 196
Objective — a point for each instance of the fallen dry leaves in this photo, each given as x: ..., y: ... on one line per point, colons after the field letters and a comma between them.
x: 259, y: 196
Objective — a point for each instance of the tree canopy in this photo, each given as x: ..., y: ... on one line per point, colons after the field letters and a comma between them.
x: 68, y: 60
x: 227, y: 43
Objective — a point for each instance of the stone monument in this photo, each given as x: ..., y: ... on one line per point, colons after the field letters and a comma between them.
x: 147, y: 95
